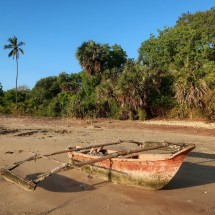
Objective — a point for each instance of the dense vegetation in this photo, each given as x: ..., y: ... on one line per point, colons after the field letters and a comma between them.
x: 174, y: 76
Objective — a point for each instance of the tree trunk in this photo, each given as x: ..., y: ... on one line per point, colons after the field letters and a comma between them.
x: 16, y: 79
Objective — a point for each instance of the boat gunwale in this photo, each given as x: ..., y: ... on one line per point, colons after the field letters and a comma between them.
x: 187, y: 148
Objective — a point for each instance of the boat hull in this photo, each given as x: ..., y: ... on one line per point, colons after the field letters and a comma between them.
x: 149, y: 174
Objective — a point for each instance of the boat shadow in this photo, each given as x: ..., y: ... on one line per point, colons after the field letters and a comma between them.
x: 193, y: 174
x: 60, y: 183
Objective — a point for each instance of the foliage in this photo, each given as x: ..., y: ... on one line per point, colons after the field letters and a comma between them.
x: 56, y: 107
x: 209, y: 108
x: 1, y: 94
x: 45, y: 89
x: 174, y: 76
x: 185, y: 52
x: 95, y: 57
x: 69, y: 83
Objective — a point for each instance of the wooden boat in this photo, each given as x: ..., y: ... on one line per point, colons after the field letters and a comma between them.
x: 148, y: 171
x: 133, y: 167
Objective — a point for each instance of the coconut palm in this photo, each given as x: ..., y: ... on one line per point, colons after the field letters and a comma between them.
x: 15, y: 49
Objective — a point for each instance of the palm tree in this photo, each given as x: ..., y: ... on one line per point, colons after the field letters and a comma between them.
x: 92, y: 56
x: 15, y: 46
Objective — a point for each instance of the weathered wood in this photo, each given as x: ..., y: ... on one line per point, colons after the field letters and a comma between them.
x: 130, y: 155
x: 149, y: 171
x: 117, y: 154
x: 38, y: 156
x: 181, y: 144
x: 33, y: 157
x: 89, y: 162
x: 95, y: 146
x: 51, y: 159
x: 51, y: 172
x: 29, y: 185
x: 70, y: 149
x: 11, y: 177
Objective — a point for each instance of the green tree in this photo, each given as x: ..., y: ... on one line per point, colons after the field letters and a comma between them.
x: 15, y: 46
x: 195, y: 53
x: 69, y: 83
x: 116, y: 58
x: 45, y: 89
x: 95, y: 57
x: 1, y: 89
x: 92, y: 56
x: 106, y: 102
x: 185, y: 53
x: 1, y: 94
x: 57, y: 106
x: 134, y: 88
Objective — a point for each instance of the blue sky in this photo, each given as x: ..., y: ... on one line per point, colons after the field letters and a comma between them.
x: 54, y: 29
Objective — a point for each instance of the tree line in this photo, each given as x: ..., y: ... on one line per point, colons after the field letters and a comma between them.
x: 174, y: 76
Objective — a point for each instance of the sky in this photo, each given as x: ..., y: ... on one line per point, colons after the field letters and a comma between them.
x: 54, y: 29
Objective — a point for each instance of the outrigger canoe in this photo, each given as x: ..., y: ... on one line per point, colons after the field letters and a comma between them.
x: 150, y: 171
x: 132, y: 166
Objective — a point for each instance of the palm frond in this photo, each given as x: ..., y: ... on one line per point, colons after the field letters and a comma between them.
x: 8, y: 46
x: 10, y: 40
x: 11, y: 53
x: 21, y: 50
x: 13, y: 40
x: 21, y: 44
x: 14, y: 46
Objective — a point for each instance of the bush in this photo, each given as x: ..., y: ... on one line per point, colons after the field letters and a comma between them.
x: 141, y: 114
x: 210, y: 106
x: 75, y: 108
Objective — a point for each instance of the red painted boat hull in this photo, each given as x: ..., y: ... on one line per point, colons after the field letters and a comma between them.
x: 151, y: 172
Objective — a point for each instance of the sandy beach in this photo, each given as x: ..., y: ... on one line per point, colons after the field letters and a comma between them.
x: 191, y: 191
